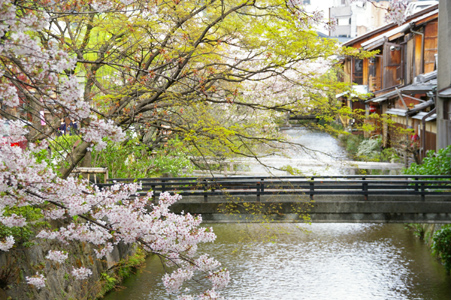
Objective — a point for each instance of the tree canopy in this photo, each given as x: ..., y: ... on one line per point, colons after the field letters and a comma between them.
x: 214, y: 72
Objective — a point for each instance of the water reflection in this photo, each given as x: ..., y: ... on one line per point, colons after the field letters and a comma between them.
x: 333, y: 261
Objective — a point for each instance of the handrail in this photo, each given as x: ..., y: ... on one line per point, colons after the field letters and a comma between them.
x: 365, y: 185
x: 278, y: 177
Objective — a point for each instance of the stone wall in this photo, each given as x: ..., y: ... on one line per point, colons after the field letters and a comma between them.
x: 60, y: 284
x: 428, y: 232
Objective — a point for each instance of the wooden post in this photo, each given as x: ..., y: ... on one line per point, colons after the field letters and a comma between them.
x: 94, y: 171
x: 365, y: 189
x: 312, y: 187
x: 258, y: 191
x: 422, y: 192
x: 205, y: 185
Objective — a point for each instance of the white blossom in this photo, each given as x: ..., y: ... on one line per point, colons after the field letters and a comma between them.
x: 57, y: 256
x: 7, y: 244
x: 37, y: 280
x: 81, y: 273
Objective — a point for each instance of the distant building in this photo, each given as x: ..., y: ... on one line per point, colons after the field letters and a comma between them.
x: 357, y: 18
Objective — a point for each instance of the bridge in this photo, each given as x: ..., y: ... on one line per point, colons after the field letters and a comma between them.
x: 326, y: 199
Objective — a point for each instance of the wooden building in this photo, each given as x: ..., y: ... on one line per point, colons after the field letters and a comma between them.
x: 401, y: 80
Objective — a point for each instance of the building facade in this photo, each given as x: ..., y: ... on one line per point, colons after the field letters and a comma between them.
x: 401, y: 81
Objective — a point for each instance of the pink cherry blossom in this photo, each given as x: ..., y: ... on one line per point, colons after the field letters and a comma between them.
x: 7, y: 244
x: 37, y: 280
x: 81, y: 273
x: 13, y: 221
x: 174, y: 281
x: 57, y: 256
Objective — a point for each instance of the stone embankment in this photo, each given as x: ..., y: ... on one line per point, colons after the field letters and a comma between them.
x: 60, y: 284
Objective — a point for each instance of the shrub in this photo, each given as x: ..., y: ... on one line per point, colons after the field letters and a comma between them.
x: 370, y: 149
x: 433, y: 164
x: 442, y: 246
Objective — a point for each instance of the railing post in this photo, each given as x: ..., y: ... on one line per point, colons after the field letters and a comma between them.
x: 154, y: 197
x: 258, y: 191
x: 163, y: 186
x: 422, y: 192
x: 416, y: 184
x: 205, y: 185
x: 365, y: 188
x: 312, y: 187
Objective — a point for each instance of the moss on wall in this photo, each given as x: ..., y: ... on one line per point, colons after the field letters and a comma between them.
x: 27, y: 261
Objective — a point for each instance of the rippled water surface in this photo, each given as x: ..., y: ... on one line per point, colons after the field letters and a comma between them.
x: 321, y: 155
x: 332, y: 261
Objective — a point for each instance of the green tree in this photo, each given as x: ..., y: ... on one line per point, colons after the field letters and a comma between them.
x: 214, y: 73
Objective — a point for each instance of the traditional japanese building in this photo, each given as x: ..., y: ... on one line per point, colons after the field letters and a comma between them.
x: 399, y: 82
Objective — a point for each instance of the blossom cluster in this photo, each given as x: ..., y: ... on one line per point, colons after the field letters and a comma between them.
x: 81, y: 273
x: 7, y: 244
x: 99, y: 129
x: 43, y: 64
x: 42, y: 71
x: 57, y: 256
x: 13, y: 221
x: 37, y: 280
x: 396, y: 11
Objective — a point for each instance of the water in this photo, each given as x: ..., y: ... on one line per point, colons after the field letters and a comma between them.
x: 332, y: 261
x: 320, y: 148
x: 318, y: 261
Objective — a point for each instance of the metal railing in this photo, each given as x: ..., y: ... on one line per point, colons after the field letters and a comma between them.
x: 294, y: 185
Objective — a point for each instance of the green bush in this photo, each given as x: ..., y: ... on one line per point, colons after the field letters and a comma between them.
x: 135, y: 160
x: 370, y: 149
x: 130, y: 159
x: 442, y: 246
x: 433, y: 164
x: 351, y: 143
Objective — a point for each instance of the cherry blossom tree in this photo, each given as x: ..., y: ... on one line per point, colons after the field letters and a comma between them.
x: 101, y: 217
x: 72, y: 59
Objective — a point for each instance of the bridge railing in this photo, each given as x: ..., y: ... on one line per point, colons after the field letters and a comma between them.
x: 369, y: 185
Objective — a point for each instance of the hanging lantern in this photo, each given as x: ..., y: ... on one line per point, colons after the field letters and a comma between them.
x: 372, y: 109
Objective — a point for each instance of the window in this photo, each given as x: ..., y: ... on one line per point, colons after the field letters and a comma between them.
x: 357, y: 74
x: 393, y: 61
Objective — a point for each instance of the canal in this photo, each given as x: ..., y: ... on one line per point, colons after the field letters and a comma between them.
x: 318, y: 261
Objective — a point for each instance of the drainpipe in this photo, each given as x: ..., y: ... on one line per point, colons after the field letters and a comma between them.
x: 423, y: 131
x: 411, y: 25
